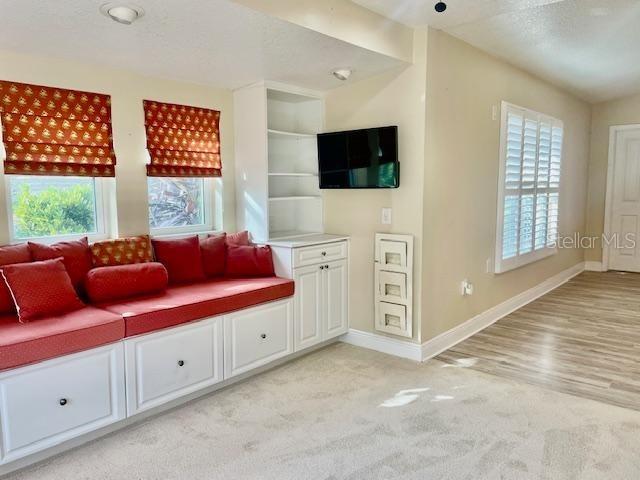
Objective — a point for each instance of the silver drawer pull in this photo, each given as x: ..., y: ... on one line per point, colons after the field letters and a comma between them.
x: 63, y: 402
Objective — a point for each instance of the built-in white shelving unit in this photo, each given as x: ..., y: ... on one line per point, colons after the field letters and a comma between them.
x: 277, y: 180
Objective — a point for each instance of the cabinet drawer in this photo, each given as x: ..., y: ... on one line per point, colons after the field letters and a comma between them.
x: 45, y: 404
x: 319, y: 253
x: 166, y: 365
x: 257, y: 336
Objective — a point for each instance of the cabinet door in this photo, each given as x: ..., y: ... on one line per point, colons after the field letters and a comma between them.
x: 335, y: 298
x: 308, y: 306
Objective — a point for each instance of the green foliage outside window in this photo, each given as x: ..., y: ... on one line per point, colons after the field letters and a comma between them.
x: 53, y: 211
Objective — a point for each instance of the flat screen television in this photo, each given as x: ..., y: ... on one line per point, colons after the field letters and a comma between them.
x: 365, y: 158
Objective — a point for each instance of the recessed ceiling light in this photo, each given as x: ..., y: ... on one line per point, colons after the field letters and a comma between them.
x: 125, y: 14
x: 342, y: 73
x: 440, y: 7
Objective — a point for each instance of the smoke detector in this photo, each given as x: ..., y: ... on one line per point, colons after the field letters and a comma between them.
x: 125, y: 14
x: 342, y: 73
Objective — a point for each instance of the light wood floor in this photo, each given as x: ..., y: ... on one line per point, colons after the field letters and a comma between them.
x: 582, y: 338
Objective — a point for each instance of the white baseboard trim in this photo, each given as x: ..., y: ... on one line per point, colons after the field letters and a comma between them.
x: 380, y: 343
x: 593, y: 266
x: 446, y: 340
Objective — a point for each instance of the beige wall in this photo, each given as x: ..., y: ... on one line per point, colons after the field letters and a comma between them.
x: 393, y: 98
x: 127, y: 91
x: 461, y: 179
x: 622, y: 111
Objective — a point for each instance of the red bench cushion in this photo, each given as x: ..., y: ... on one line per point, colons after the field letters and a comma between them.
x: 181, y: 304
x: 24, y: 343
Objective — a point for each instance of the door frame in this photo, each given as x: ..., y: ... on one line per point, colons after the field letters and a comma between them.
x: 608, y: 202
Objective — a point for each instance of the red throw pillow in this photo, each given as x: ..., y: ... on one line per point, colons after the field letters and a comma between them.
x: 41, y: 289
x: 10, y: 255
x: 249, y: 261
x: 214, y: 254
x: 181, y: 257
x: 122, y: 251
x: 238, y: 239
x: 106, y: 284
x: 76, y: 255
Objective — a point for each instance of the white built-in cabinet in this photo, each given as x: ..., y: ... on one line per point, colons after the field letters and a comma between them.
x: 320, y: 271
x: 276, y: 161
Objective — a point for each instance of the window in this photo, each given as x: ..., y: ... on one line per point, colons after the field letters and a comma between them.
x: 180, y: 204
x: 42, y: 207
x: 529, y: 189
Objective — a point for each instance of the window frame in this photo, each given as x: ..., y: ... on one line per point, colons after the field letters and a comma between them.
x: 103, y: 192
x: 503, y: 265
x: 210, y: 211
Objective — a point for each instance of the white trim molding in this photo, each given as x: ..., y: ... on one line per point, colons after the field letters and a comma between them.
x: 381, y: 343
x: 446, y: 340
x: 591, y: 266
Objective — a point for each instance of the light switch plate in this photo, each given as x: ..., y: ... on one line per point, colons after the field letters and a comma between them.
x: 386, y: 216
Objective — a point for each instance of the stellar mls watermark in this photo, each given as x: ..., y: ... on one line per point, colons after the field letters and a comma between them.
x: 578, y: 240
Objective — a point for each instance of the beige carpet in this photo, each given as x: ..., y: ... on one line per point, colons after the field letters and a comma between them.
x: 350, y: 413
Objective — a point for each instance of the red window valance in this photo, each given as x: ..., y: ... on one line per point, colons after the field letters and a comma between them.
x: 182, y: 141
x: 54, y: 131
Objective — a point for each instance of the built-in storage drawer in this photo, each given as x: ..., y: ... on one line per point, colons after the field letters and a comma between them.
x: 319, y: 253
x: 168, y: 364
x: 257, y: 336
x: 392, y: 315
x: 48, y: 403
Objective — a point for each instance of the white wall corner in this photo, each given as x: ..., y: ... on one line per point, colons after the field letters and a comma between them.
x: 380, y: 343
x: 591, y: 266
x: 448, y: 339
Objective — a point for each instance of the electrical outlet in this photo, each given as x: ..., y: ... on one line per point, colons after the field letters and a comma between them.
x: 386, y: 216
x: 466, y: 288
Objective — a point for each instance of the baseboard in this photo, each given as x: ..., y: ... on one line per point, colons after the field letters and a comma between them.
x: 593, y: 266
x: 448, y: 339
x: 380, y: 343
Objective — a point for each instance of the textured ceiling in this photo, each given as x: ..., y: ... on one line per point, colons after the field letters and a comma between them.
x: 590, y: 47
x: 213, y: 42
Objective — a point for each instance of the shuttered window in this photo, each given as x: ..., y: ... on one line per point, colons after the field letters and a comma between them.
x: 529, y: 190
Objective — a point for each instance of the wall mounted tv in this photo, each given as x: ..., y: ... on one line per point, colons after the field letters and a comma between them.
x: 359, y: 158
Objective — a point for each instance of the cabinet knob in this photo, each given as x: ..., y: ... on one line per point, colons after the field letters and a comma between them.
x: 180, y: 363
x: 263, y: 336
x: 324, y: 254
x: 63, y: 402
x: 326, y: 266
x: 321, y: 267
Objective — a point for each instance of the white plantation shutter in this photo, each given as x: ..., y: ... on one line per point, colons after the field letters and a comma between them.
x: 529, y: 190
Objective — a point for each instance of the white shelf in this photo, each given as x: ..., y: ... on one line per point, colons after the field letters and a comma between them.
x: 294, y: 197
x: 282, y: 174
x: 291, y: 134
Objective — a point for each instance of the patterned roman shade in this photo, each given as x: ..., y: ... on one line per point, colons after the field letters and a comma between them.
x: 54, y: 131
x: 182, y: 141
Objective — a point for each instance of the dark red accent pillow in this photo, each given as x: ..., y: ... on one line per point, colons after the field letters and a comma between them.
x: 9, y: 255
x: 249, y: 261
x: 41, y: 289
x: 106, y: 284
x: 76, y: 255
x: 181, y: 257
x: 238, y: 239
x: 214, y: 254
